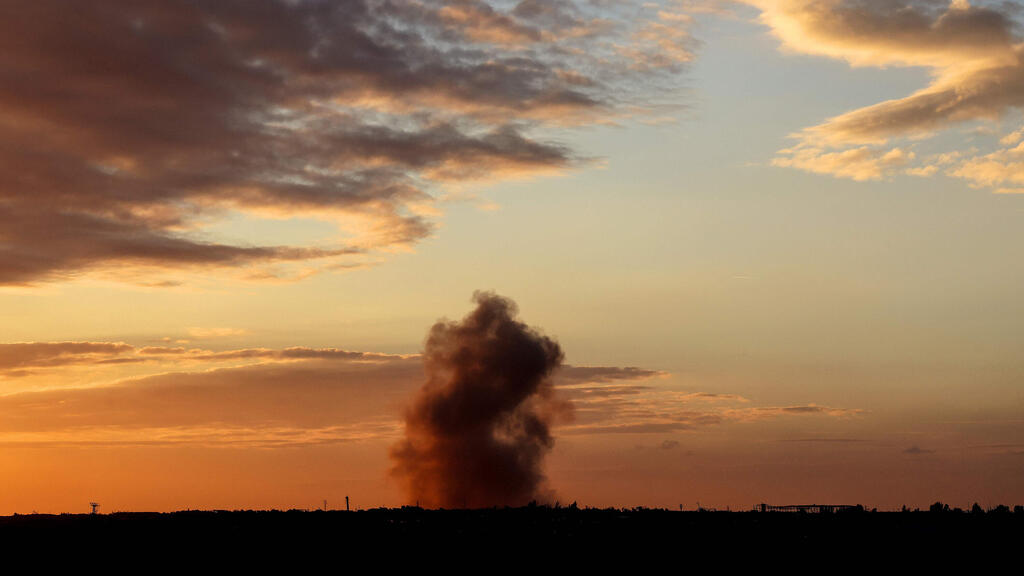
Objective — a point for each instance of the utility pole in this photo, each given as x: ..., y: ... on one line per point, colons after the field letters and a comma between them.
x: 346, y: 503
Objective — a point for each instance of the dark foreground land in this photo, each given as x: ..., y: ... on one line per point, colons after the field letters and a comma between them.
x: 565, y: 530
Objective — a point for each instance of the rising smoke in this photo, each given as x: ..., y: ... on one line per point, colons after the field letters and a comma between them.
x: 478, y: 431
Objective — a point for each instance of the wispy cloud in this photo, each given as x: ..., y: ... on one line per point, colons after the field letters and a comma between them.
x: 252, y: 397
x: 973, y: 54
x: 654, y: 408
x: 825, y: 440
x: 197, y: 333
x: 266, y: 397
x: 762, y: 412
x: 21, y: 357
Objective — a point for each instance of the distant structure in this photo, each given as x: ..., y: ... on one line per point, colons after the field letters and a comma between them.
x: 346, y: 503
x: 94, y: 505
x: 813, y: 508
x: 325, y: 505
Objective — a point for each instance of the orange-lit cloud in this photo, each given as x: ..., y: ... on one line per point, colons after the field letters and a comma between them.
x: 748, y: 414
x: 973, y: 54
x: 279, y: 397
x: 309, y: 397
x: 18, y: 357
x: 480, y: 22
x: 1002, y: 170
x: 859, y: 164
x: 263, y: 397
x: 35, y: 355
x: 614, y: 407
x: 128, y: 129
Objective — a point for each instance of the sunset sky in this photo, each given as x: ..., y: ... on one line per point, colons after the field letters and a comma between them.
x: 780, y: 244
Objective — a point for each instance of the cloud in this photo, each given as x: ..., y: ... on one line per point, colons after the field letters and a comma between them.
x: 311, y: 394
x: 758, y: 413
x: 917, y: 451
x: 860, y: 164
x: 215, y: 436
x: 973, y: 54
x: 70, y: 355
x: 595, y: 374
x: 655, y: 408
x: 128, y: 130
x: 662, y: 42
x: 680, y: 425
x: 254, y: 397
x: 716, y: 397
x: 197, y: 333
x: 16, y: 356
x: 716, y: 7
x: 76, y: 393
x: 825, y: 440
x: 1001, y: 169
x: 480, y: 22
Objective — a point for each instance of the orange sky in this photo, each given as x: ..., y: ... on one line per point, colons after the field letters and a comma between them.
x: 288, y: 428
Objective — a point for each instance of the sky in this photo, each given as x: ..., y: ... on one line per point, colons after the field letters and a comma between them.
x: 778, y: 244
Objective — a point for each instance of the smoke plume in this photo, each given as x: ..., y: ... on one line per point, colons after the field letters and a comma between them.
x: 478, y: 431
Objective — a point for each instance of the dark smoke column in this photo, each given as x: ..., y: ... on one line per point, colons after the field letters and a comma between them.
x: 479, y: 429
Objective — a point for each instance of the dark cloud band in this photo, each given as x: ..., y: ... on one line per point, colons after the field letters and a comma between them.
x: 125, y: 128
